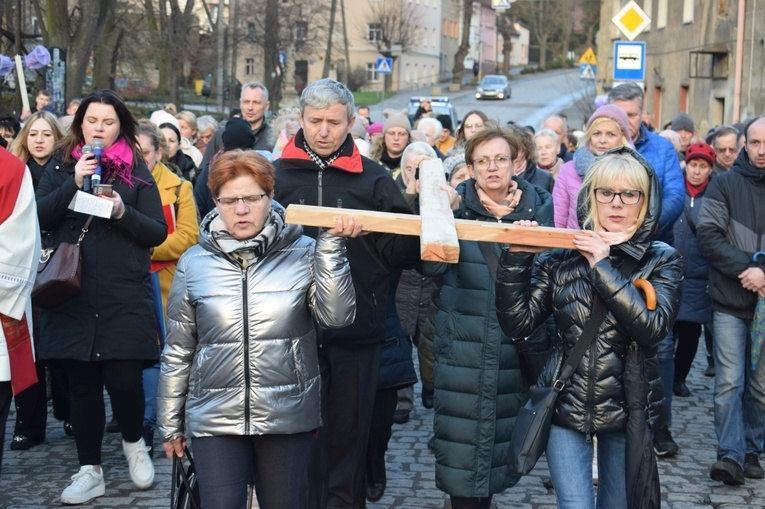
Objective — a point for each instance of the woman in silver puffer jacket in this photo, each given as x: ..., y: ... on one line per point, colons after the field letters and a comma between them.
x: 240, y: 370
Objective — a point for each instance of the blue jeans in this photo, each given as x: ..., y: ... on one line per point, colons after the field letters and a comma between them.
x: 569, y: 457
x: 150, y: 384
x: 276, y: 464
x: 739, y: 391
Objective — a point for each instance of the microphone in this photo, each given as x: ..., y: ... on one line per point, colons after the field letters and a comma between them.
x: 98, y: 147
x: 87, y: 185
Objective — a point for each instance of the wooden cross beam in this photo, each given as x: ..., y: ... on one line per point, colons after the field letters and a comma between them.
x: 438, y: 230
x: 409, y: 224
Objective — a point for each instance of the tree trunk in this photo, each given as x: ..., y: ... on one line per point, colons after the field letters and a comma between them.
x: 328, y: 54
x: 270, y: 49
x: 462, y: 51
x: 105, y: 52
x: 78, y: 40
x: 542, y: 52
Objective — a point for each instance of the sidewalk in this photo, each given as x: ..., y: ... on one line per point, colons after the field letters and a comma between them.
x: 34, y: 479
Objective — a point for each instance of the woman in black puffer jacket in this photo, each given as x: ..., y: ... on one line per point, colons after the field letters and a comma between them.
x: 565, y: 283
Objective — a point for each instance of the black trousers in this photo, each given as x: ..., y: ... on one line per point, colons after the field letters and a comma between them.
x: 349, y: 384
x: 380, y: 433
x: 687, y: 339
x: 32, y: 408
x: 6, y: 394
x: 123, y: 380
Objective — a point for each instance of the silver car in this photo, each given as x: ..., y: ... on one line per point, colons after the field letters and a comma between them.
x: 493, y: 86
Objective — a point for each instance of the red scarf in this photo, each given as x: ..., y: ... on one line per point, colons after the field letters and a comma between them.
x: 694, y: 191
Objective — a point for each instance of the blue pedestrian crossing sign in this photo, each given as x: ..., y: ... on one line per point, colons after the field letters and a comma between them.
x: 588, y: 71
x: 384, y: 66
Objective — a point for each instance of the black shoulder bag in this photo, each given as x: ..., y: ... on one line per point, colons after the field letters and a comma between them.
x: 532, y: 425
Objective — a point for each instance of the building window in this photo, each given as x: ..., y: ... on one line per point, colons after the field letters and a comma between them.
x: 661, y: 14
x: 722, y: 7
x: 687, y: 11
x: 372, y: 76
x: 249, y: 66
x: 301, y: 30
x: 250, y: 30
x: 648, y: 8
x: 445, y: 27
x: 374, y: 32
x: 434, y: 41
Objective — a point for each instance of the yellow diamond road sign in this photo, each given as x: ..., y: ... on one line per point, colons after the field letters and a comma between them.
x: 631, y: 20
x: 588, y: 57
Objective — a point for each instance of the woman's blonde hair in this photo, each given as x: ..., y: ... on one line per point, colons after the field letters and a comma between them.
x: 587, y: 136
x: 603, y: 173
x: 19, y: 146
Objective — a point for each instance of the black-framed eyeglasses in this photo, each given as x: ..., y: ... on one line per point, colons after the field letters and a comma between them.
x: 251, y: 201
x: 627, y: 197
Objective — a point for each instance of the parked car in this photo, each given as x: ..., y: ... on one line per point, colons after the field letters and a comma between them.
x: 493, y: 86
x: 440, y: 106
x: 132, y: 88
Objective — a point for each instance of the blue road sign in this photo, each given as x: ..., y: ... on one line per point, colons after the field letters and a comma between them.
x: 384, y: 66
x: 629, y: 61
x: 282, y: 58
x: 588, y: 71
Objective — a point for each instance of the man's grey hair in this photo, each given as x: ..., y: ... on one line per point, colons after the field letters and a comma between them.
x: 255, y: 84
x: 322, y: 94
x: 426, y: 123
x: 723, y: 130
x: 626, y: 92
x: 546, y: 133
x: 418, y: 148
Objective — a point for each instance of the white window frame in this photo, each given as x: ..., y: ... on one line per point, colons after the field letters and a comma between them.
x: 372, y: 75
x: 374, y: 32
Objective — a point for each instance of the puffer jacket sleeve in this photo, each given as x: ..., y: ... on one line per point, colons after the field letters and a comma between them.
x: 523, y: 293
x: 627, y: 304
x: 332, y: 297
x: 561, y: 195
x: 672, y: 189
x: 177, y: 358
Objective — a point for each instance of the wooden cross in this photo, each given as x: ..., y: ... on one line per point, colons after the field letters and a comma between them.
x: 436, y: 226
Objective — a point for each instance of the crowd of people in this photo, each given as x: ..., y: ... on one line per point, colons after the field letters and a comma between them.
x: 282, y: 355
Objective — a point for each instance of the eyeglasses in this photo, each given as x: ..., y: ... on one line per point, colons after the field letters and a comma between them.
x: 728, y: 150
x: 627, y: 197
x: 485, y: 162
x: 251, y: 201
x: 478, y: 125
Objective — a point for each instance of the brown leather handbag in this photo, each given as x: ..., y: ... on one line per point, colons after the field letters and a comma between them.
x: 59, y: 273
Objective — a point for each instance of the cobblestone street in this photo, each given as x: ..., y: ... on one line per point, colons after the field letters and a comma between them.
x: 34, y: 479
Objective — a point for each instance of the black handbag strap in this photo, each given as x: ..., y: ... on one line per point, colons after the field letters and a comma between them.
x: 179, y: 472
x: 599, y: 312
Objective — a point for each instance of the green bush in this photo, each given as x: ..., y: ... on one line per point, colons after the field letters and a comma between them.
x: 529, y: 70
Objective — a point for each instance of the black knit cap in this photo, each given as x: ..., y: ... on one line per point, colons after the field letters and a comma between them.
x: 238, y: 134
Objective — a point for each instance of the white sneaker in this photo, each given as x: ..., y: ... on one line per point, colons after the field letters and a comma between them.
x: 87, y: 484
x: 141, y: 467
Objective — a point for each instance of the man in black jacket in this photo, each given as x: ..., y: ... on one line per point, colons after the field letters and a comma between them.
x: 321, y: 166
x: 254, y: 104
x: 731, y: 235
